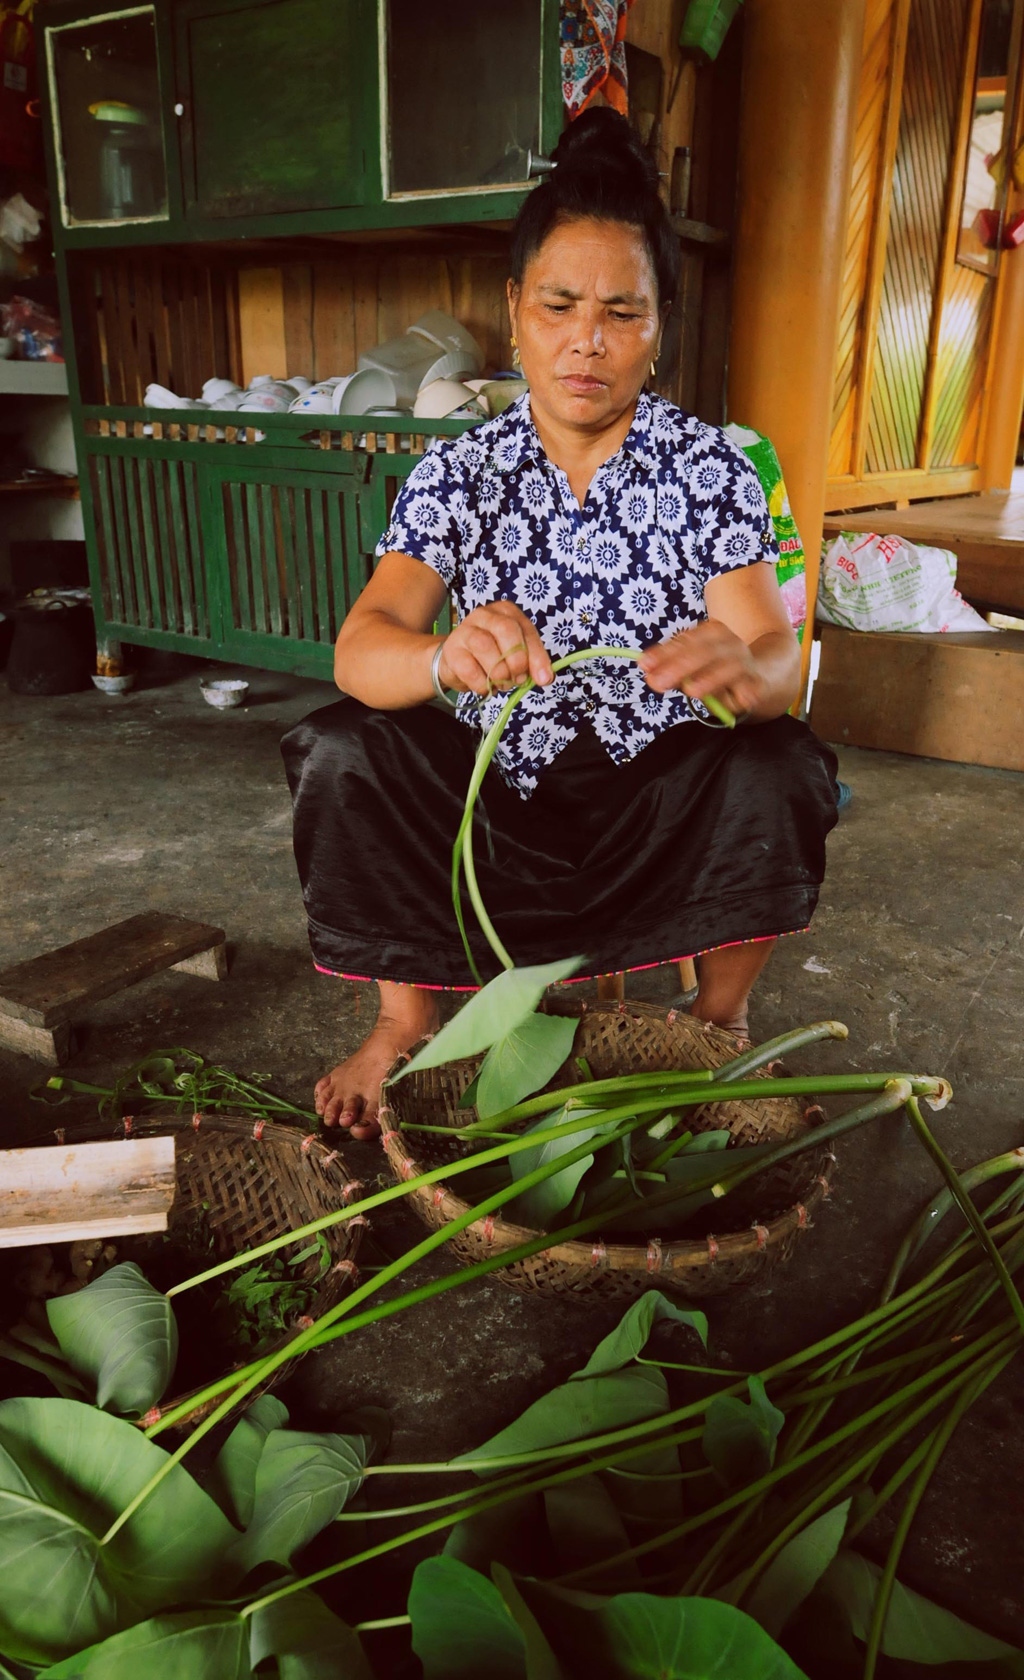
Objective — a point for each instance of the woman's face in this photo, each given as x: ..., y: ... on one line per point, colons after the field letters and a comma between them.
x: 586, y: 317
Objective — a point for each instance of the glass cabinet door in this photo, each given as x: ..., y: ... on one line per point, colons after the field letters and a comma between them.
x: 463, y: 93
x: 105, y: 97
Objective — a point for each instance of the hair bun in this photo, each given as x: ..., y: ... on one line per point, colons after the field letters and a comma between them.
x: 602, y: 139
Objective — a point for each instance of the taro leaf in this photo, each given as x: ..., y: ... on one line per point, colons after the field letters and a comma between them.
x: 586, y: 1528
x: 541, y: 1662
x: 461, y: 1626
x: 635, y: 1636
x: 66, y: 1471
x: 192, y: 1645
x: 739, y: 1436
x: 232, y: 1480
x: 309, y: 1641
x: 578, y: 1409
x: 492, y: 1013
x: 120, y: 1332
x: 630, y: 1335
x: 302, y: 1482
x: 513, y: 1534
x: 916, y: 1630
x: 541, y: 1203
x: 523, y: 1061
x: 648, y: 1486
x: 795, y: 1573
x: 468, y: 1097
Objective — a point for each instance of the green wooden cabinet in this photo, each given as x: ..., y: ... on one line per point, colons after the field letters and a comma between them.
x: 186, y: 119
x: 280, y: 105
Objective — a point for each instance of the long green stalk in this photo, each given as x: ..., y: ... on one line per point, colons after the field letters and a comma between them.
x: 940, y: 1441
x: 462, y: 852
x: 967, y: 1208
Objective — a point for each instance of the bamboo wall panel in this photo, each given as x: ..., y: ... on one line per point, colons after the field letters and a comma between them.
x: 931, y: 90
x: 867, y: 166
x: 960, y: 367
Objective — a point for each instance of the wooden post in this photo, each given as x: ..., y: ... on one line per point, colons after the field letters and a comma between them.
x: 1005, y: 373
x: 801, y: 66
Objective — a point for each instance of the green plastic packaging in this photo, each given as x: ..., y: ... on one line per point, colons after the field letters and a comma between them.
x: 705, y: 25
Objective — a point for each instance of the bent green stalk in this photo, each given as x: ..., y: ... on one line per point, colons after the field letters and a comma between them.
x: 327, y: 1329
x: 462, y: 852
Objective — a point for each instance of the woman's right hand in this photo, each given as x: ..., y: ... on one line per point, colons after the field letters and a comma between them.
x: 495, y: 646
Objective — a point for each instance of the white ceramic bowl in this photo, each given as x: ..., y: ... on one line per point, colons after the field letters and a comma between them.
x: 114, y: 685
x: 443, y: 397
x: 223, y: 692
x: 369, y: 388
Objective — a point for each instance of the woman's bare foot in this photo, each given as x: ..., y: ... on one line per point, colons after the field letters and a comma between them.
x: 348, y: 1095
x: 725, y: 978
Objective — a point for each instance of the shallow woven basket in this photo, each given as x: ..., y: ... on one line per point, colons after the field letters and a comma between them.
x: 243, y: 1182
x: 624, y: 1038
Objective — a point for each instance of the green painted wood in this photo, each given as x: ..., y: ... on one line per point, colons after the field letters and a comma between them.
x: 178, y: 589
x: 204, y: 605
x: 254, y: 554
x: 150, y: 551
x: 271, y: 557
x: 238, y: 555
x: 138, y: 556
x: 117, y: 497
x: 303, y: 562
x: 284, y: 527
x: 319, y: 556
x: 178, y: 517
x: 279, y: 113
x: 109, y: 576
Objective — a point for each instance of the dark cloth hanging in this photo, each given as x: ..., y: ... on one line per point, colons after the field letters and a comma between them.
x: 707, y: 837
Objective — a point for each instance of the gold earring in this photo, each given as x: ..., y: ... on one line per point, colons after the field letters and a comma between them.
x: 516, y: 358
x: 654, y: 370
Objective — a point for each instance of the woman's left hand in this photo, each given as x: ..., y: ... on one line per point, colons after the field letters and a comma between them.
x: 708, y: 659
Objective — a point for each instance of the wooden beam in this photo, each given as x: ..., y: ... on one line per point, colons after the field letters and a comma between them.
x: 70, y: 1193
x: 790, y: 237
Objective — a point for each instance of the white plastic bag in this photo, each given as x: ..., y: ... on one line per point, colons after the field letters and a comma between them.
x: 887, y: 583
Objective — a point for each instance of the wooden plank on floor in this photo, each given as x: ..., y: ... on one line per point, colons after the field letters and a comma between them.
x: 47, y: 989
x: 74, y: 1192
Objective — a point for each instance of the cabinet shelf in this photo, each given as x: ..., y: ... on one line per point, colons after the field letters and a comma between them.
x: 39, y: 487
x: 38, y: 379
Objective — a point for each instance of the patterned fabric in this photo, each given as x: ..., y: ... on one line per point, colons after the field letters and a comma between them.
x: 593, y: 34
x: 678, y: 504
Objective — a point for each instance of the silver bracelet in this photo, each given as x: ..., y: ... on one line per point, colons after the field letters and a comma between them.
x: 435, y: 676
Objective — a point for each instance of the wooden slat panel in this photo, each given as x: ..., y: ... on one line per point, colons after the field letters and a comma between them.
x: 303, y: 563
x: 319, y: 559
x: 297, y: 300
x: 931, y: 88
x: 334, y: 341
x: 866, y: 170
x: 106, y: 539
x: 960, y: 367
x: 254, y: 529
x: 238, y: 556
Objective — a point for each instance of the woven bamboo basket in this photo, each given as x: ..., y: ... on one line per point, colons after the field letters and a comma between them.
x: 619, y: 1038
x: 240, y: 1182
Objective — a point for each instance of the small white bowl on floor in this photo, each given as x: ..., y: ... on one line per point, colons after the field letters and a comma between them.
x: 114, y: 685
x: 223, y: 692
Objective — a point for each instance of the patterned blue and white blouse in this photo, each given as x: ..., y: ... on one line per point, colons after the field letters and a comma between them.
x: 678, y: 504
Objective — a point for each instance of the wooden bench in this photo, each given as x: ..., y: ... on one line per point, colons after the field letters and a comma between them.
x: 40, y: 998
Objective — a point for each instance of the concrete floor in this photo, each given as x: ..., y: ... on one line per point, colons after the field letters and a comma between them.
x: 111, y: 806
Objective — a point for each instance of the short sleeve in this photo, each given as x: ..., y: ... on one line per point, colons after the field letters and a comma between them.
x: 736, y: 527
x: 421, y: 523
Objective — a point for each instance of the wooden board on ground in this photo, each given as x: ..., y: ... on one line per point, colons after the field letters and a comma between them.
x: 955, y: 697
x: 39, y: 997
x: 69, y: 1193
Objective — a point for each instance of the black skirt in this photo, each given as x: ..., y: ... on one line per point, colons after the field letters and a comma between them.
x: 707, y: 838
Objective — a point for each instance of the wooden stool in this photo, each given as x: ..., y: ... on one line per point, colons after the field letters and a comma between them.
x: 612, y: 987
x: 38, y: 998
